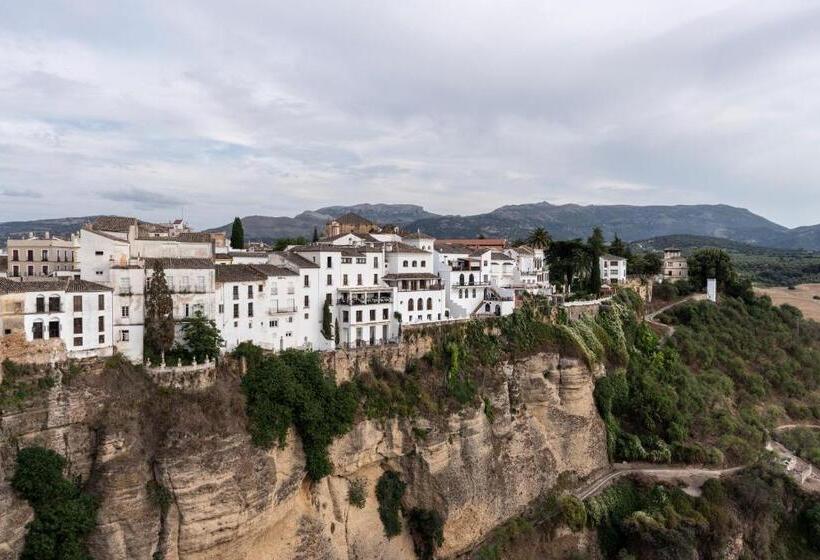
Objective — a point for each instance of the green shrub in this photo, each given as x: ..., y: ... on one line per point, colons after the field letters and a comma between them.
x: 573, y: 512
x: 389, y: 492
x: 64, y: 516
x: 159, y: 495
x: 291, y: 388
x: 357, y: 493
x: 427, y: 529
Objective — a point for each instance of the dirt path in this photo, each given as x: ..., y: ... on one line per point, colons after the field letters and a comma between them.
x: 669, y: 330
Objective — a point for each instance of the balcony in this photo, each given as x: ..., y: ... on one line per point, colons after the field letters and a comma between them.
x: 370, y: 300
x: 412, y: 287
x: 281, y: 309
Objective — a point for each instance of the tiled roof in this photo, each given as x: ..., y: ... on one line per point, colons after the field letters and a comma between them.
x: 193, y: 237
x: 451, y: 248
x: 75, y: 286
x: 340, y: 235
x: 475, y: 242
x: 256, y: 254
x: 325, y: 247
x: 69, y: 285
x: 405, y: 248
x: 104, y: 234
x: 353, y: 219
x: 273, y: 270
x: 181, y: 263
x: 496, y: 256
x: 297, y: 259
x: 238, y: 273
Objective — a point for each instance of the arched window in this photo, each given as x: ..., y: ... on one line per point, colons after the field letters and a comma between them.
x: 415, y: 264
x: 460, y: 294
x: 498, y: 309
x: 472, y: 280
x: 473, y: 292
x: 429, y: 303
x: 420, y: 304
x: 487, y: 307
x: 410, y: 305
x: 40, y: 302
x: 460, y: 279
x: 404, y: 264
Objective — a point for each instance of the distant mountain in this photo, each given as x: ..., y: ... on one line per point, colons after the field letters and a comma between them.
x: 61, y: 227
x: 267, y: 227
x: 569, y: 221
x: 687, y: 243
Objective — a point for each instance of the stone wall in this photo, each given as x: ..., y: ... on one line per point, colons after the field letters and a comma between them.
x: 194, y: 377
x: 345, y: 363
x: 15, y: 348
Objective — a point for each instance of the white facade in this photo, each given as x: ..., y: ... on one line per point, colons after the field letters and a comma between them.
x: 77, y: 312
x: 613, y: 269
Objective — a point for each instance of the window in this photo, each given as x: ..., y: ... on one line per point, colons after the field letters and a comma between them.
x: 344, y: 279
x: 101, y: 302
x: 359, y: 316
x: 29, y: 255
x: 375, y: 262
x: 30, y: 270
x: 78, y: 341
x: 274, y: 323
x: 372, y: 314
x: 125, y: 336
x: 78, y: 325
x: 409, y: 305
x: 345, y: 316
x: 125, y: 312
x: 15, y: 271
x: 37, y: 330
x: 384, y: 313
x: 221, y: 308
x: 358, y: 279
x: 236, y: 292
x: 423, y: 264
x: 307, y: 301
x: 307, y: 281
x: 187, y: 310
x: 44, y: 255
x: 102, y: 339
x: 78, y: 303
x: 101, y: 324
x: 307, y: 315
x: 54, y: 304
x: 250, y: 291
x: 236, y: 311
x: 250, y: 309
x: 429, y: 303
x: 45, y: 270
x: 260, y: 288
x: 404, y: 264
x: 98, y: 253
x: 15, y: 255
x: 415, y: 264
x: 329, y: 279
x: 375, y: 279
x: 420, y: 305
x: 330, y: 262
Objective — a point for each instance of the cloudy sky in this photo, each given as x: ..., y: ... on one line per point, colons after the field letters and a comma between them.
x: 218, y: 109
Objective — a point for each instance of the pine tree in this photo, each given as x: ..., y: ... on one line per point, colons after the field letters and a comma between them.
x: 202, y: 337
x: 159, y: 313
x: 237, y: 234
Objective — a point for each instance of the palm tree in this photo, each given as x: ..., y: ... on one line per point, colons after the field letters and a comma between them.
x: 539, y: 238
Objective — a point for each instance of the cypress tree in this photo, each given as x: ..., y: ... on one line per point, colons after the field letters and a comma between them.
x: 596, y: 248
x: 315, y: 235
x: 326, y: 329
x: 159, y: 313
x: 237, y: 234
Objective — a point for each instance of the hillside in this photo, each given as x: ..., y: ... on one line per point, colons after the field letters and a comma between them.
x: 56, y: 226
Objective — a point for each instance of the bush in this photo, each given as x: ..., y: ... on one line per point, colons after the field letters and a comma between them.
x: 64, y: 516
x: 357, y: 493
x: 389, y: 492
x: 158, y: 495
x: 427, y: 529
x: 291, y: 388
x: 573, y: 512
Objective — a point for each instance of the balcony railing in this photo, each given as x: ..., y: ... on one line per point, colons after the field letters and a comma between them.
x: 281, y: 309
x: 365, y: 301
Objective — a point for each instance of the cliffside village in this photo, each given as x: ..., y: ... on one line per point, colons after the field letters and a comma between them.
x: 89, y: 291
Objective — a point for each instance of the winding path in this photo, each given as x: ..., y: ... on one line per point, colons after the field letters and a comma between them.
x: 669, y: 329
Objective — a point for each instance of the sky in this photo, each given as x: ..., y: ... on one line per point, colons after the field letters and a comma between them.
x: 209, y: 110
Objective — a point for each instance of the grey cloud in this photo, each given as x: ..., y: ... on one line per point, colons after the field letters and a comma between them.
x: 142, y: 198
x: 19, y: 193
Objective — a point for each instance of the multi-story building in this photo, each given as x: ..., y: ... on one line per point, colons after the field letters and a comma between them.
x: 75, y: 311
x: 675, y: 265
x: 419, y: 293
x: 349, y: 223
x: 40, y: 257
x: 613, y: 269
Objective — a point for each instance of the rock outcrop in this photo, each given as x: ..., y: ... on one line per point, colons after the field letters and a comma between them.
x: 230, y: 500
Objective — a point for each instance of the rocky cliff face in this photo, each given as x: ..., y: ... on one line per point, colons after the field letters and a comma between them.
x: 230, y: 500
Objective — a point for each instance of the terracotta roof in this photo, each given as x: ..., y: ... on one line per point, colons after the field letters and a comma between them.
x: 193, y: 237
x: 238, y: 273
x: 475, y: 242
x: 451, y: 248
x: 104, y: 234
x: 181, y: 263
x: 273, y: 270
x: 69, y: 285
x: 297, y: 259
x: 353, y: 219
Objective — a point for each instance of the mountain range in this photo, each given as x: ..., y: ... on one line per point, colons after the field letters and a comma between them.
x: 565, y: 221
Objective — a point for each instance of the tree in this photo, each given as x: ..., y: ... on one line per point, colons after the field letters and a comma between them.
x: 326, y: 321
x: 618, y: 247
x: 237, y: 234
x: 315, y: 235
x: 596, y: 249
x: 336, y: 333
x: 159, y: 313
x: 568, y: 259
x: 647, y: 264
x: 711, y: 263
x: 539, y: 238
x: 202, y: 337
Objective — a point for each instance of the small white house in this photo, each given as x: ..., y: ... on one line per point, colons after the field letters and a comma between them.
x: 613, y: 269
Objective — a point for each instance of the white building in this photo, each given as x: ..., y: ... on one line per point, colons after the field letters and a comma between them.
x: 613, y: 269
x: 75, y: 311
x: 419, y: 295
x: 675, y: 265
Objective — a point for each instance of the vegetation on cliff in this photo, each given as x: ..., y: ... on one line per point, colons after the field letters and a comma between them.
x: 64, y: 515
x: 803, y: 442
x: 389, y: 492
x: 291, y: 389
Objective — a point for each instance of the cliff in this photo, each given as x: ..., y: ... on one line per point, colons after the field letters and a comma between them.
x: 231, y: 500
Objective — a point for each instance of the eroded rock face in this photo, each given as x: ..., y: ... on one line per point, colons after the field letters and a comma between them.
x: 233, y: 501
